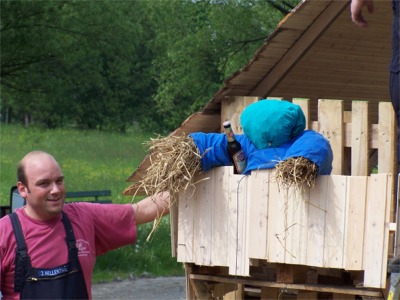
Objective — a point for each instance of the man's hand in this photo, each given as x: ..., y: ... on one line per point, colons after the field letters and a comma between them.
x: 151, y: 208
x: 356, y: 11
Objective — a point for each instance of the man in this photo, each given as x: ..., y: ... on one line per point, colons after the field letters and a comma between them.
x: 59, y: 242
x: 358, y: 18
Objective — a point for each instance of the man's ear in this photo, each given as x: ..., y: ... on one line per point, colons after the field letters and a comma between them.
x: 22, y: 189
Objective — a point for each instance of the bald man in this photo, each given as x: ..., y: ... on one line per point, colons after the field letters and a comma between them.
x: 58, y: 243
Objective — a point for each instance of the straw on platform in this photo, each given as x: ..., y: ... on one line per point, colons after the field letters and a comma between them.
x: 297, y: 172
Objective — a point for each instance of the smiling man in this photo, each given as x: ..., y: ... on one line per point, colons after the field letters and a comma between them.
x: 47, y: 248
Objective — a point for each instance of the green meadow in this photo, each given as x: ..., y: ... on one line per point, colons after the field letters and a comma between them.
x: 93, y: 160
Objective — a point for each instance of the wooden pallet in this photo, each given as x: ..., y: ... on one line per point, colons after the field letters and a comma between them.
x: 239, y: 223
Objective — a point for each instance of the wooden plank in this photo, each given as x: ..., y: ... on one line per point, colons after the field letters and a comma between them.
x: 238, y: 293
x: 293, y: 286
x: 359, y: 139
x: 244, y: 229
x: 330, y: 116
x: 374, y: 243
x: 269, y: 293
x: 239, y: 263
x: 298, y: 49
x: 386, y: 138
x: 220, y: 202
x: 174, y: 224
x: 276, y: 231
x: 190, y: 294
x: 335, y: 221
x: 307, y: 295
x: 342, y: 297
x: 232, y: 108
x: 295, y: 217
x: 185, y: 251
x: 219, y: 290
x: 203, y: 222
x: 317, y: 222
x: 386, y: 150
x: 302, y: 228
x: 258, y: 207
x: 304, y: 103
x: 355, y: 220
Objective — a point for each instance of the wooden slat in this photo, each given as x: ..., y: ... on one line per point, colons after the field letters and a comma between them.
x: 185, y: 251
x: 174, y: 225
x: 303, y: 286
x: 276, y: 226
x: 232, y: 108
x: 258, y: 207
x: 290, y: 235
x: 220, y: 211
x: 298, y: 49
x: 330, y: 116
x: 374, y: 243
x: 202, y: 220
x: 355, y: 220
x: 359, y: 139
x: 239, y: 263
x: 335, y: 221
x: 386, y: 138
x: 243, y: 220
x: 304, y: 103
x: 317, y: 221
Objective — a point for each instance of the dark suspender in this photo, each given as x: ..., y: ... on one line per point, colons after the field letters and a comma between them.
x: 70, y: 239
x: 22, y: 260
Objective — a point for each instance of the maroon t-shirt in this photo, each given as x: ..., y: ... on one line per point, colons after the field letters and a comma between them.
x: 98, y: 228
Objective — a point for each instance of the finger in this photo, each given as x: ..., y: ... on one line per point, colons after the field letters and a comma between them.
x: 356, y: 12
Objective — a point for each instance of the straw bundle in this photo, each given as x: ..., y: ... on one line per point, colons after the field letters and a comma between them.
x: 174, y: 160
x: 298, y: 172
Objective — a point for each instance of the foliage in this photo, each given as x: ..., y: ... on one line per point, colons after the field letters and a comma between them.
x: 108, y: 64
x: 93, y: 160
x: 74, y: 62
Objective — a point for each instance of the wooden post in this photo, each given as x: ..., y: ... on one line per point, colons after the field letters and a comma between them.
x: 236, y: 294
x: 268, y: 293
x: 359, y: 139
x: 330, y: 117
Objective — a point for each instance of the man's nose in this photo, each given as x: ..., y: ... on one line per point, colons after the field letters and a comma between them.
x: 55, y: 188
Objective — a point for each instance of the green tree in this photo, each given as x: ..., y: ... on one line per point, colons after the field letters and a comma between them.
x: 105, y: 64
x: 199, y: 44
x: 74, y: 62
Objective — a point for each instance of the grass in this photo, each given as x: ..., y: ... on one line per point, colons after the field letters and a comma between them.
x: 93, y: 160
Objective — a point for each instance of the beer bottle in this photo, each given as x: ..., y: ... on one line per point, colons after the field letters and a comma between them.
x: 235, y: 151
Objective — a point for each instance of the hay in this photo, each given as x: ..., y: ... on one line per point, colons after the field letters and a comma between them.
x: 297, y: 172
x: 174, y: 160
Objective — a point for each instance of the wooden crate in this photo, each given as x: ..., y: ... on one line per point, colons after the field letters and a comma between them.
x: 342, y: 223
x: 229, y: 227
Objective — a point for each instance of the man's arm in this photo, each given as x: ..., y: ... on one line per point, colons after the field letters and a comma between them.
x: 356, y: 11
x: 152, y: 207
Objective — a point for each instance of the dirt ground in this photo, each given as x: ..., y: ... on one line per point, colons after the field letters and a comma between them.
x: 143, y: 288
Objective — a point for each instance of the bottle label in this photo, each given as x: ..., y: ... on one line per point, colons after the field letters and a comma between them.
x: 240, y: 161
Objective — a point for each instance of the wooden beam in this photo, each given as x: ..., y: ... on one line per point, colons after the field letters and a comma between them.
x: 305, y: 287
x: 299, y: 48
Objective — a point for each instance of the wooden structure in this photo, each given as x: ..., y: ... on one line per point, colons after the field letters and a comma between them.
x: 334, y: 238
x: 244, y: 237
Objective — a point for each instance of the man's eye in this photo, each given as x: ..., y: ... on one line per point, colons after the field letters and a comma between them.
x: 43, y: 184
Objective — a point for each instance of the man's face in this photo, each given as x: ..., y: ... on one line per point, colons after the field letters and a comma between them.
x: 45, y: 190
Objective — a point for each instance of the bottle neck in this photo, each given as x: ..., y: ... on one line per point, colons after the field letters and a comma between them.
x: 229, y: 134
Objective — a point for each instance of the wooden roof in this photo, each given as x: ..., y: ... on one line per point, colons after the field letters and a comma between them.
x: 316, y: 52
